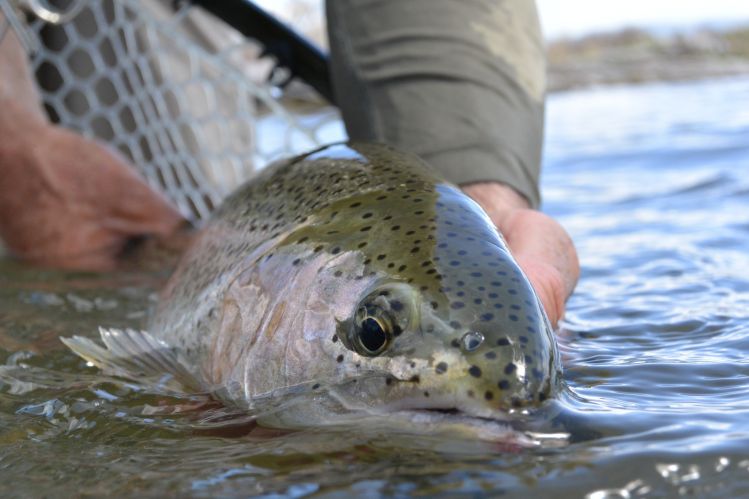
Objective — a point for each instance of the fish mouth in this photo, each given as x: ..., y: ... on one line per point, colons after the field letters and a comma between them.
x: 445, y: 408
x: 449, y: 415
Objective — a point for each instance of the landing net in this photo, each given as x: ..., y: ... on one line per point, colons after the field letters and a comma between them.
x: 182, y: 95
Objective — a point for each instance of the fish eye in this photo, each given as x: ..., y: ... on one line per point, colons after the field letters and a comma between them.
x: 384, y: 313
x: 373, y: 335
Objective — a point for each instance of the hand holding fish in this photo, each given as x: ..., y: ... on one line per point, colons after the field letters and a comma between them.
x: 542, y: 248
x: 65, y: 201
x: 68, y: 201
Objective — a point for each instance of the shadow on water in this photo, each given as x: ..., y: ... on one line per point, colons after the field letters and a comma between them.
x: 651, y: 182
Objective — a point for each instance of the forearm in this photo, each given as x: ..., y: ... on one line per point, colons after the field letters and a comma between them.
x: 18, y: 93
x: 459, y: 83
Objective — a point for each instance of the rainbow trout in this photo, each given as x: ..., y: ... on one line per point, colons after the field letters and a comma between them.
x: 358, y: 279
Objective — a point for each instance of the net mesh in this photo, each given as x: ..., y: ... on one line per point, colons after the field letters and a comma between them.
x: 179, y: 93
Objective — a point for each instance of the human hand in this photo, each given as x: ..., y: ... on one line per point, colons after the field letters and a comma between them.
x: 67, y: 201
x: 542, y: 248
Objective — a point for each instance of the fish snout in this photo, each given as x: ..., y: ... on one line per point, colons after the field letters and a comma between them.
x: 504, y: 371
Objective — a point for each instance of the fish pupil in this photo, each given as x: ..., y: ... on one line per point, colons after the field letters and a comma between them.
x: 371, y: 335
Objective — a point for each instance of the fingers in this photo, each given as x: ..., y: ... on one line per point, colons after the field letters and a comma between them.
x: 538, y: 237
x: 67, y: 201
x: 113, y: 191
x: 542, y: 248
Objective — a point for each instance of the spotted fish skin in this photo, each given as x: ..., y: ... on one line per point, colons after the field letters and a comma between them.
x: 297, y: 268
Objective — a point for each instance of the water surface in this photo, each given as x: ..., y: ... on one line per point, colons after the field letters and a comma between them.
x: 653, y: 184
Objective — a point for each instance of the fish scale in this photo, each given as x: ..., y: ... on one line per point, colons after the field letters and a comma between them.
x: 319, y: 258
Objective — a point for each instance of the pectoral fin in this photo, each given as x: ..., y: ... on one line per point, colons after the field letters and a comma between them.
x: 134, y: 355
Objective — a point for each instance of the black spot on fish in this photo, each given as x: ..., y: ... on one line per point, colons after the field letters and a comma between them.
x: 339, y: 359
x: 488, y: 395
x: 316, y: 386
x: 456, y: 305
x: 504, y: 385
x: 338, y: 273
x: 365, y: 229
x: 441, y: 368
x: 396, y: 305
x: 455, y: 324
x: 415, y: 379
x: 486, y: 317
x: 296, y: 262
x: 513, y: 317
x: 336, y: 250
x: 395, y: 227
x: 455, y: 343
x: 510, y: 368
x: 474, y: 371
x: 367, y: 215
x: 335, y: 338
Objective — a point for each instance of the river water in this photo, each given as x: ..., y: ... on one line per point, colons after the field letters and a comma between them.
x: 653, y: 184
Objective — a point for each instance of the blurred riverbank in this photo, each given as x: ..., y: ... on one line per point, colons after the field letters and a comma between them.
x: 634, y: 56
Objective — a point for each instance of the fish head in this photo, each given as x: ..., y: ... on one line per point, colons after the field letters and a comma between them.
x: 451, y: 324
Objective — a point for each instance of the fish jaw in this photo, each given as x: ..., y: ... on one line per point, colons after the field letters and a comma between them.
x: 488, y: 381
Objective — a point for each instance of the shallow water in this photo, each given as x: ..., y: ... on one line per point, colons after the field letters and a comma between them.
x: 653, y: 184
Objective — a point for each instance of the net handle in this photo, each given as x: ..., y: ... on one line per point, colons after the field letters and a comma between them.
x: 54, y: 16
x: 292, y: 50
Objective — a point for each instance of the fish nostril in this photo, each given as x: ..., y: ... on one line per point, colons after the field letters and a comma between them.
x: 471, y: 341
